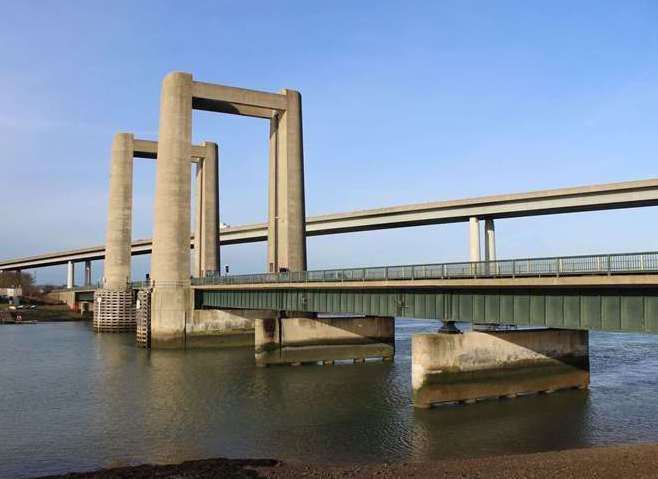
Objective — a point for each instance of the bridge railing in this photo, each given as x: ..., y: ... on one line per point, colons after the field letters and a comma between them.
x: 606, y: 264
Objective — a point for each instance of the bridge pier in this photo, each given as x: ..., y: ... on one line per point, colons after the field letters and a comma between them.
x: 70, y: 274
x: 206, y: 234
x: 448, y: 368
x: 474, y: 239
x: 170, y: 262
x: 489, y: 240
x: 293, y: 340
x: 286, y: 236
x: 114, y: 309
x: 171, y: 299
x: 87, y: 273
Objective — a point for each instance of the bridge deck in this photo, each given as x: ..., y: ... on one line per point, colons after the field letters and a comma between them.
x: 602, y: 292
x: 631, y: 269
x: 629, y: 194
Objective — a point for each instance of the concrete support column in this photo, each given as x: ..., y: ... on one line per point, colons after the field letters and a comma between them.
x: 474, y: 239
x: 198, y: 218
x: 207, y: 212
x: 489, y: 240
x: 119, y: 218
x: 70, y: 274
x: 287, y: 214
x: 170, y: 261
x: 87, y: 273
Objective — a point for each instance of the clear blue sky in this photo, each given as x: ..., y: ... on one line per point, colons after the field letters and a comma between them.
x: 403, y: 102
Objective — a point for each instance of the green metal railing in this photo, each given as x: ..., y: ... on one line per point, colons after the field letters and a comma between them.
x: 605, y: 264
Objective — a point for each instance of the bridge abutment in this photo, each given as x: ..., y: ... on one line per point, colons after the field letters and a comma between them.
x: 465, y: 367
x: 293, y: 340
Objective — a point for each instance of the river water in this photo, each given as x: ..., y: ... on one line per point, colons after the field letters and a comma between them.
x: 73, y: 400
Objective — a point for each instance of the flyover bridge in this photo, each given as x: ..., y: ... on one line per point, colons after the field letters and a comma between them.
x: 609, y: 292
x: 628, y: 194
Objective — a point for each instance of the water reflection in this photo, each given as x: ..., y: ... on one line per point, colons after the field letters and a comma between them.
x: 74, y: 400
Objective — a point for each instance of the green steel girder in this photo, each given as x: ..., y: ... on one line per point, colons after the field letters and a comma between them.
x: 605, y: 309
x: 84, y: 296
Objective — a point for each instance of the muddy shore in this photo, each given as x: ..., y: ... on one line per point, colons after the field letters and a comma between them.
x: 637, y: 461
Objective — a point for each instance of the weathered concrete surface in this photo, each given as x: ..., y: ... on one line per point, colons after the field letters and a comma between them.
x: 286, y: 239
x: 116, y: 274
x: 67, y: 297
x: 474, y: 239
x: 222, y: 327
x: 300, y: 340
x: 206, y: 233
x: 475, y: 365
x: 170, y: 262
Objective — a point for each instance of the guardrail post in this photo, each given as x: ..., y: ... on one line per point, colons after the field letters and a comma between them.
x: 609, y: 267
x: 386, y: 273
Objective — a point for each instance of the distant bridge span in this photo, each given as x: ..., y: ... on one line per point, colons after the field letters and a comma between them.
x: 629, y: 194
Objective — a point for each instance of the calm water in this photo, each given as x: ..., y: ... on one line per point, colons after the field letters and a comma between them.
x: 74, y: 400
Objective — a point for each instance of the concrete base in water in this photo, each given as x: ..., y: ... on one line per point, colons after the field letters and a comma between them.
x: 297, y: 340
x: 210, y: 328
x: 477, y: 365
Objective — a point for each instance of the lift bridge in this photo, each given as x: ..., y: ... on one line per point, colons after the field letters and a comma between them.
x: 611, y: 292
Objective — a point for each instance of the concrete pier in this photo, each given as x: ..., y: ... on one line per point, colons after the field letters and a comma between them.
x: 477, y: 365
x: 170, y: 261
x: 310, y: 340
x: 211, y: 328
x: 287, y: 216
x: 206, y: 232
x: 171, y: 305
x: 116, y: 275
x: 87, y: 273
x: 489, y: 240
x: 474, y: 239
x: 70, y: 274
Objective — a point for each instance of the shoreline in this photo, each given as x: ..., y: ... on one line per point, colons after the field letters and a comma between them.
x: 637, y: 461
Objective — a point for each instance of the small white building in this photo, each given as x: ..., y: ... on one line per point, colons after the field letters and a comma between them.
x: 13, y: 295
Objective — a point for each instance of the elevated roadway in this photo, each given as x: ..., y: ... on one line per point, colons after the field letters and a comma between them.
x: 629, y: 194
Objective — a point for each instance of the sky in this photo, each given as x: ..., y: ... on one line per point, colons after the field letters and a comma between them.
x: 403, y: 102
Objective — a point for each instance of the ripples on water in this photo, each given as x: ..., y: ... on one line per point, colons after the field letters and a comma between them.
x: 74, y: 400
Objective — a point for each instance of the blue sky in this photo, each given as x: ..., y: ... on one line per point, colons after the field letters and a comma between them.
x: 403, y: 102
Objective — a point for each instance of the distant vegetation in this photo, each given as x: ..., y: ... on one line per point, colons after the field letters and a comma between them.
x: 12, y: 279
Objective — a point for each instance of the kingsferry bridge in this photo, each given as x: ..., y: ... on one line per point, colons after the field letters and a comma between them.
x: 608, y: 292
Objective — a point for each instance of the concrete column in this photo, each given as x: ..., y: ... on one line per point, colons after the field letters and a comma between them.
x: 70, y: 274
x: 170, y: 261
x: 210, y: 210
x: 87, y: 273
x: 198, y: 219
x: 272, y: 213
x: 119, y: 215
x: 489, y: 240
x: 287, y: 225
x: 206, y: 230
x: 474, y: 241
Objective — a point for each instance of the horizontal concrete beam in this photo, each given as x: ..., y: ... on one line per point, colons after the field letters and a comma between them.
x: 628, y: 194
x: 149, y: 149
x: 239, y: 101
